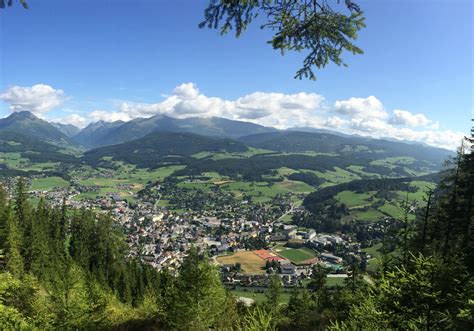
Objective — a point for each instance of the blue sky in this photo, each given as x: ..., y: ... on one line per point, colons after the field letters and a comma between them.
x: 122, y: 59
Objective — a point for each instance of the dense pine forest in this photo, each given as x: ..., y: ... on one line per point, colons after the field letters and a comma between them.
x: 70, y: 269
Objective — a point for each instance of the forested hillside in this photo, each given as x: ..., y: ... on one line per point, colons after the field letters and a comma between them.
x: 161, y: 147
x: 70, y: 269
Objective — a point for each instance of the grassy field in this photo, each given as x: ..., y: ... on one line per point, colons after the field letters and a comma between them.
x: 249, y: 261
x: 369, y: 215
x: 391, y: 209
x: 125, y: 175
x: 224, y: 155
x: 295, y: 186
x: 352, y: 199
x: 335, y: 281
x: 13, y: 160
x: 359, y: 171
x: 374, y: 251
x: 48, y: 183
x: 297, y: 255
x: 336, y: 176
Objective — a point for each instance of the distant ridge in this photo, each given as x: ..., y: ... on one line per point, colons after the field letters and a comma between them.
x: 295, y: 141
x: 68, y: 129
x: 103, y: 133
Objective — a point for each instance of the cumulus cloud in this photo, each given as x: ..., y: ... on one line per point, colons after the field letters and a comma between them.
x: 38, y: 99
x: 369, y: 107
x: 102, y: 115
x: 270, y: 109
x: 73, y: 119
x: 403, y: 117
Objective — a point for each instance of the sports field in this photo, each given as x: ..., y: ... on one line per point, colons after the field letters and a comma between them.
x: 297, y: 255
x: 250, y: 262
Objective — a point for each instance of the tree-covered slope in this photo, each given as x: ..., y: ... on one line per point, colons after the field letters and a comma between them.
x: 161, y: 148
x: 293, y: 141
x: 102, y: 134
x: 94, y: 133
x: 68, y: 129
x: 33, y: 127
x: 36, y: 151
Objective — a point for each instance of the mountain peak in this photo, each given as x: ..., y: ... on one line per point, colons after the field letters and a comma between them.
x: 20, y: 115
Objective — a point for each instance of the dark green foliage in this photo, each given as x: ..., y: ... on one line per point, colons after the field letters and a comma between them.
x: 307, y: 177
x: 103, y: 133
x: 196, y: 299
x: 448, y: 224
x: 33, y: 149
x: 162, y: 148
x: 253, y: 168
x: 313, y: 26
x: 314, y: 200
x: 295, y: 142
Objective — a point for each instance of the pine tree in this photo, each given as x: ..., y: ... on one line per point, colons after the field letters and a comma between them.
x: 196, y: 300
x: 274, y: 292
x: 15, y: 264
x: 41, y: 256
x: 3, y: 228
x: 23, y: 215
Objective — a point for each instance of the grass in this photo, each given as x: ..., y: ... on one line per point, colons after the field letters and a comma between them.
x: 297, y: 255
x: 352, y: 199
x: 258, y: 191
x: 249, y: 261
x: 369, y: 215
x: 125, y: 174
x: 359, y: 171
x: 225, y: 155
x: 295, y: 186
x: 13, y: 160
x: 336, y: 176
x: 285, y: 171
x: 392, y: 162
x: 374, y: 251
x: 335, y: 281
x: 48, y: 183
x: 391, y: 209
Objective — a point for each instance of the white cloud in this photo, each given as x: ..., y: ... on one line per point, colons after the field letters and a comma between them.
x: 369, y: 107
x: 403, y: 117
x: 270, y: 109
x: 102, y: 115
x: 73, y: 119
x: 38, y: 99
x: 186, y: 91
x: 363, y: 116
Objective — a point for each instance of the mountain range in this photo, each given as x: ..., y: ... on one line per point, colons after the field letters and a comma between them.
x: 103, y: 133
x: 23, y: 131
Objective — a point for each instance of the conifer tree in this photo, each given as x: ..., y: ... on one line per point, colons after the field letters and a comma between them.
x: 196, y: 300
x: 15, y: 264
x: 23, y: 215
